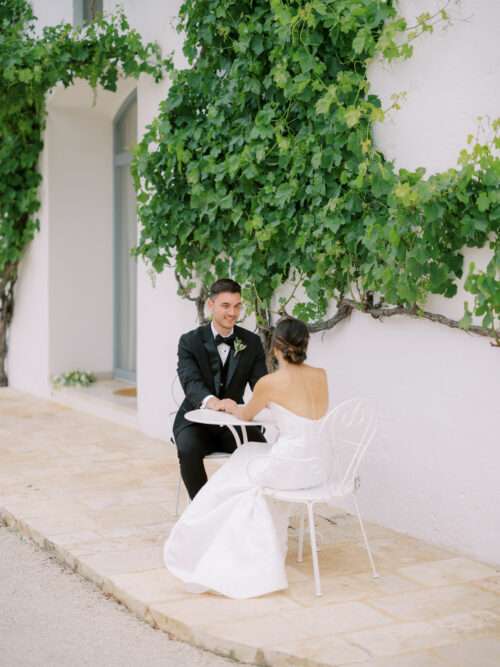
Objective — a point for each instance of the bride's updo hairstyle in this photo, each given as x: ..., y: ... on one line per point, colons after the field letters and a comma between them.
x: 291, y: 338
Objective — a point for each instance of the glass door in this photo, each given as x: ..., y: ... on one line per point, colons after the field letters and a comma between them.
x: 125, y: 238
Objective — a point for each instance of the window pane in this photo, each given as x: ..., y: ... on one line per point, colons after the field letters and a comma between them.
x: 125, y: 239
x: 125, y: 271
x: 126, y: 135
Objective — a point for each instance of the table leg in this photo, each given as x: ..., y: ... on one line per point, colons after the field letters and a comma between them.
x: 235, y: 434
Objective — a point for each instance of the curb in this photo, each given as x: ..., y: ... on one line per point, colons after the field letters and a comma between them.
x: 174, y: 628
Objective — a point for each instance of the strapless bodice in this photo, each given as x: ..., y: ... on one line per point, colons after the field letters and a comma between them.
x: 292, y: 425
x: 295, y: 460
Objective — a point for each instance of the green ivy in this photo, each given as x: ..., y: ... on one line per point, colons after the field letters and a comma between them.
x: 31, y: 64
x: 261, y: 165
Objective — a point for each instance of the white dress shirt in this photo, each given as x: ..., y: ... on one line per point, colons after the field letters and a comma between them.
x: 223, y: 351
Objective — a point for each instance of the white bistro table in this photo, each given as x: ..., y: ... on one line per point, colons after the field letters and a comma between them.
x: 217, y: 418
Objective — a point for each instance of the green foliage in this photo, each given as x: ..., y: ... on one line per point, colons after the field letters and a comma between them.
x: 260, y: 164
x: 74, y: 379
x: 30, y: 66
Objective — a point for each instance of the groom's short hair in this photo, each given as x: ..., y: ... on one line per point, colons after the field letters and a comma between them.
x: 224, y: 285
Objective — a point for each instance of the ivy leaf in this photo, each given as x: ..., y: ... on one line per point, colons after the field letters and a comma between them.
x: 483, y: 202
x: 466, y: 320
x: 352, y: 116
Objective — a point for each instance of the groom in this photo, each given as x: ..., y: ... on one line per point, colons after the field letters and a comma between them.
x: 216, y: 361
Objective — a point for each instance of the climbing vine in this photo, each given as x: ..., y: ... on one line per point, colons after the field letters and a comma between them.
x: 31, y: 64
x: 261, y: 165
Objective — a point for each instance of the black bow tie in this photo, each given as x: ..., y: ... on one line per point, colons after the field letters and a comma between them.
x: 227, y: 341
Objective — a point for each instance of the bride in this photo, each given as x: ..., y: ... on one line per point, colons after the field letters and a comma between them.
x: 232, y: 539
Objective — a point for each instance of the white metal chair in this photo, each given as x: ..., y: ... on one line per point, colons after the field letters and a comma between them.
x: 346, y: 433
x: 177, y: 394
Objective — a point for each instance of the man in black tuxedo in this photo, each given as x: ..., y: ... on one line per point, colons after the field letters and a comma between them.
x: 216, y: 361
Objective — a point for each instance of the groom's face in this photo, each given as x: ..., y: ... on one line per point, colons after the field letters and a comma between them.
x: 225, y: 309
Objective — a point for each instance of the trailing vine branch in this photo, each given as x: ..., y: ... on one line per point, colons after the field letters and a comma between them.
x: 380, y: 312
x: 200, y: 299
x: 8, y: 280
x: 31, y: 64
x: 344, y: 310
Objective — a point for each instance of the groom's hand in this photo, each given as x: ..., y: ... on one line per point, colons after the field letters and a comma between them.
x: 215, y: 404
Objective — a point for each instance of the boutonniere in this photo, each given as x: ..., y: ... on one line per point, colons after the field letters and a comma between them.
x: 239, y: 346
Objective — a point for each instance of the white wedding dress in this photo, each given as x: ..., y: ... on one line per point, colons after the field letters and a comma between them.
x: 232, y: 539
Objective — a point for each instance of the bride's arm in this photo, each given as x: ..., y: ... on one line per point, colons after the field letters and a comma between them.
x: 258, y: 402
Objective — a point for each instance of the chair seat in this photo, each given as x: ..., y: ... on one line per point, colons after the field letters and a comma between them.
x: 317, y: 494
x: 217, y: 455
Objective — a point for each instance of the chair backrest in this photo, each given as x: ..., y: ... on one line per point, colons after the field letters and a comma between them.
x: 176, y: 391
x: 346, y: 433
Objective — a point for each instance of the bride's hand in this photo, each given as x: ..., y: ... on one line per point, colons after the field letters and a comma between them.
x: 228, y: 405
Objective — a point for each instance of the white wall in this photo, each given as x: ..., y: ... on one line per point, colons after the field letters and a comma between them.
x: 50, y: 12
x: 433, y: 472
x: 438, y: 389
x: 80, y: 178
x: 451, y: 79
x: 28, y: 353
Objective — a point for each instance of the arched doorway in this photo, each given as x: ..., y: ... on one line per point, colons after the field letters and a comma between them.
x: 125, y: 238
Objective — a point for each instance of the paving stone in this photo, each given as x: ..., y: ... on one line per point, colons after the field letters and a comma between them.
x: 480, y: 623
x: 435, y: 602
x: 420, y: 659
x: 400, y: 638
x: 150, y: 586
x: 471, y: 653
x: 490, y: 584
x: 268, y: 631
x: 320, y: 650
x: 337, y: 589
x: 448, y: 571
x: 111, y: 563
x: 208, y: 610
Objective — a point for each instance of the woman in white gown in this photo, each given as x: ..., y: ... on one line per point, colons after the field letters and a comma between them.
x: 232, y: 539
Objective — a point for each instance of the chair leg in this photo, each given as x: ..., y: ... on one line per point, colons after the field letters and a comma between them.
x: 370, y: 557
x: 319, y: 540
x: 300, y: 546
x: 314, y: 548
x: 177, y: 495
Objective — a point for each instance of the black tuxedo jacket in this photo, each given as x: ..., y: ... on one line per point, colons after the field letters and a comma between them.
x: 199, y: 369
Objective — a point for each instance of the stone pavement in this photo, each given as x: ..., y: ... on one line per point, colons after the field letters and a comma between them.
x: 101, y: 497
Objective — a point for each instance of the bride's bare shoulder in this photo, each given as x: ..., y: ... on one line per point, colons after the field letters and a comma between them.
x: 265, y: 381
x: 320, y: 372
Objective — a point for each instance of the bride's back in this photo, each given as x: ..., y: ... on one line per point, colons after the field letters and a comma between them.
x: 301, y: 389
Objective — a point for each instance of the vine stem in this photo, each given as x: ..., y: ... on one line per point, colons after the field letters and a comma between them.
x: 8, y: 280
x: 344, y: 311
x: 346, y: 306
x: 199, y: 300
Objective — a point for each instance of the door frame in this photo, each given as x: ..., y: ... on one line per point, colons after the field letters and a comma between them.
x: 119, y: 160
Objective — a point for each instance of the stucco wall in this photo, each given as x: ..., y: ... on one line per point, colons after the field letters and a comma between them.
x: 50, y: 12
x: 437, y: 388
x: 80, y: 181
x: 28, y: 353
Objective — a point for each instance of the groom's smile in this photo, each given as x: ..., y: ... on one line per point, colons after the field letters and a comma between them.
x: 225, y: 309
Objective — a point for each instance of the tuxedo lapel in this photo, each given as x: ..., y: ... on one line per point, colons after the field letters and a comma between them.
x: 234, y: 360
x: 213, y: 356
